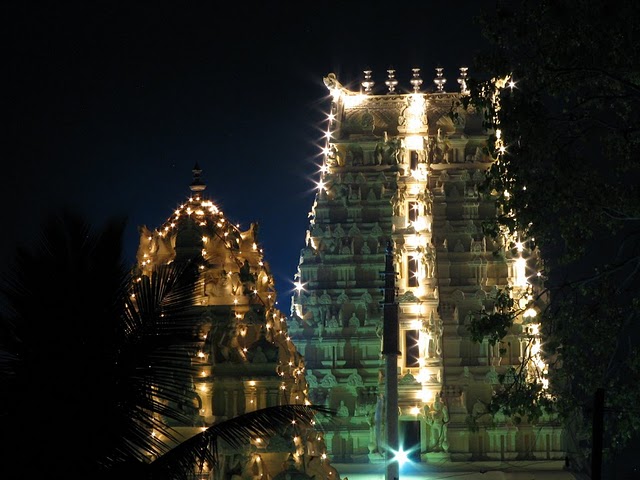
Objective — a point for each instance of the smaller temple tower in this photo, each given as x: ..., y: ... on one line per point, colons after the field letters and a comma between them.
x: 246, y: 360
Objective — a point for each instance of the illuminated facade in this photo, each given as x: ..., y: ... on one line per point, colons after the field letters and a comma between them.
x: 247, y: 360
x: 398, y: 167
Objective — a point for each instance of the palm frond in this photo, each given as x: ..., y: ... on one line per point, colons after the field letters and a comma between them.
x: 74, y: 313
x: 237, y: 432
x: 70, y: 325
x: 160, y: 326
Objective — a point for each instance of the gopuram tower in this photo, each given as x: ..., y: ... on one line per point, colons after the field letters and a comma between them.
x: 246, y: 360
x: 400, y: 169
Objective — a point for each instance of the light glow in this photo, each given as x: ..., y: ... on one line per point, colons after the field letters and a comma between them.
x: 401, y: 457
x: 414, y: 142
x: 420, y: 224
x: 520, y: 273
x: 353, y: 100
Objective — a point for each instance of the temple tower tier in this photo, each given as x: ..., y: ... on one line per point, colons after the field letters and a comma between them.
x: 399, y: 169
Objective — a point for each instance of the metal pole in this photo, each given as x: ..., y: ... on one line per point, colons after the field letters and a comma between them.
x: 390, y: 333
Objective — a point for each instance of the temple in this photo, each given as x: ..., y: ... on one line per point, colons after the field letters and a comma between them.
x: 400, y: 176
x: 247, y: 360
x: 402, y: 168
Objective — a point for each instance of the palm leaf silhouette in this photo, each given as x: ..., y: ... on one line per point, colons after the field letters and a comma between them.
x: 202, y: 448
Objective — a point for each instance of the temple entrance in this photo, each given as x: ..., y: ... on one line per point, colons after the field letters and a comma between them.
x: 410, y: 439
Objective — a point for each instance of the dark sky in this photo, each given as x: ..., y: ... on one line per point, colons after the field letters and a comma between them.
x: 107, y: 106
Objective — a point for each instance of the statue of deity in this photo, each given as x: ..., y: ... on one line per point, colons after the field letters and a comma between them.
x: 438, y: 418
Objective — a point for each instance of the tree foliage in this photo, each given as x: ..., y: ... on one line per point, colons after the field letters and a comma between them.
x: 494, y: 325
x: 560, y: 90
x: 522, y: 394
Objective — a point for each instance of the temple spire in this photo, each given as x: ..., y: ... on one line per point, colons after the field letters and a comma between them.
x: 197, y: 185
x: 368, y: 83
x: 416, y: 81
x: 392, y: 81
x: 439, y: 80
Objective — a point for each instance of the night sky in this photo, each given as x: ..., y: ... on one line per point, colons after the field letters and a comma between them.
x: 108, y: 106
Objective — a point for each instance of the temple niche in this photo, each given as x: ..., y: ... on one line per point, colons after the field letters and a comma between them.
x: 424, y: 163
x: 246, y: 360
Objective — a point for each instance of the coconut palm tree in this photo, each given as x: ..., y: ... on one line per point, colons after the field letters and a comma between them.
x: 94, y: 363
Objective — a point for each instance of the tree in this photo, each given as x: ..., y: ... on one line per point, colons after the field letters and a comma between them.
x: 560, y: 89
x: 94, y: 365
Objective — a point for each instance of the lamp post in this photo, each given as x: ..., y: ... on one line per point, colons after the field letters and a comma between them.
x: 390, y: 333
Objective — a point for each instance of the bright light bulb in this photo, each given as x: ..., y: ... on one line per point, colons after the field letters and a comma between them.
x: 401, y: 457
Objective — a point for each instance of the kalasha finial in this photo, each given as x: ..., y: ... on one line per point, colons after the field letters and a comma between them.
x: 416, y: 81
x: 464, y: 88
x: 439, y: 80
x: 197, y: 185
x: 392, y: 81
x: 367, y: 82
